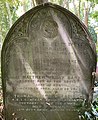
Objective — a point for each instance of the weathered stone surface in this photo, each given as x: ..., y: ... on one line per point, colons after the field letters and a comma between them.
x: 47, y: 63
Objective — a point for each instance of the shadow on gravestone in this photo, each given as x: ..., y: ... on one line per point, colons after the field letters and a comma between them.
x: 48, y: 58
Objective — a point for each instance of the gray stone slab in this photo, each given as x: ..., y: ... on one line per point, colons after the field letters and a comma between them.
x: 47, y: 62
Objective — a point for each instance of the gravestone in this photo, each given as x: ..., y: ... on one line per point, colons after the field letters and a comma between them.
x: 48, y: 58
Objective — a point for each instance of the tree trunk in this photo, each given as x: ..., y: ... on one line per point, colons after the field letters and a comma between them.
x: 75, y: 8
x: 9, y: 14
x: 24, y: 6
x: 86, y: 13
x: 1, y: 34
x: 65, y: 4
x: 37, y: 2
x: 79, y: 11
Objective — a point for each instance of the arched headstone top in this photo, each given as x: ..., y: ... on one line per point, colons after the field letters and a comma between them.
x: 47, y: 64
x: 75, y: 27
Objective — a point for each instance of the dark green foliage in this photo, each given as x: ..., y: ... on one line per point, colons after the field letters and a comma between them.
x: 93, y: 34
